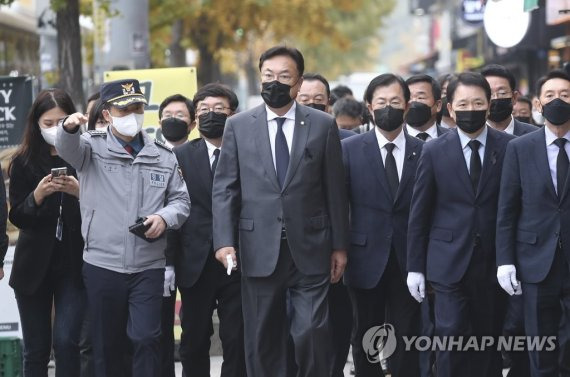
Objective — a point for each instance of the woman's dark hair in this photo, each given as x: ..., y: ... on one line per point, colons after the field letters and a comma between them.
x: 33, y: 149
x: 95, y: 114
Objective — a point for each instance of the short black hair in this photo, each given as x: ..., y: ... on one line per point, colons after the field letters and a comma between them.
x: 554, y: 74
x: 385, y: 79
x: 525, y: 99
x: 340, y: 91
x: 318, y: 77
x: 500, y: 71
x: 445, y: 78
x: 291, y: 52
x: 468, y: 79
x: 216, y: 90
x: 95, y: 114
x: 94, y: 97
x: 178, y: 98
x: 435, y: 88
x: 347, y: 106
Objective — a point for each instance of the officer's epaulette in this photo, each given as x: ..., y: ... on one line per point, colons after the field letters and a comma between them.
x: 97, y: 133
x: 161, y: 144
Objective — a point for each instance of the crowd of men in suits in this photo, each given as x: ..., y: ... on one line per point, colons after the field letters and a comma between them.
x: 445, y: 216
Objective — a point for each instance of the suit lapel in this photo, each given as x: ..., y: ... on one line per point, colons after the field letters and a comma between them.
x: 300, y: 136
x: 489, y: 159
x: 541, y: 160
x: 410, y: 163
x: 372, y: 152
x: 202, y: 162
x: 457, y: 159
x: 261, y: 131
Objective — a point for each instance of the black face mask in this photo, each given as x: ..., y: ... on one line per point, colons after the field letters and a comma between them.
x: 276, y: 94
x: 556, y: 111
x: 524, y: 119
x: 317, y: 106
x: 211, y: 125
x: 471, y: 121
x: 174, y: 129
x: 444, y: 112
x: 389, y: 118
x: 501, y: 109
x: 418, y: 114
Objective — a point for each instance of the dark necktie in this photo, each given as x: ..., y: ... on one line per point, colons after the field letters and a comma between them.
x: 130, y: 149
x: 475, y: 164
x: 391, y: 170
x: 422, y: 136
x: 215, y: 163
x: 561, y: 166
x: 281, y: 152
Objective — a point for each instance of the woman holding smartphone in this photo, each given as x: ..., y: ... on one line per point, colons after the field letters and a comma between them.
x: 48, y: 256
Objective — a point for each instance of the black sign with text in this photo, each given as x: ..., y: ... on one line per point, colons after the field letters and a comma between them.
x: 15, y: 102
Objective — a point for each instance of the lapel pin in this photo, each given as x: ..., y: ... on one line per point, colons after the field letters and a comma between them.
x: 302, y: 122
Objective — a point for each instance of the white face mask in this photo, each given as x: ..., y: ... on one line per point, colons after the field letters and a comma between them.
x: 129, y: 125
x: 49, y: 135
x: 537, y: 117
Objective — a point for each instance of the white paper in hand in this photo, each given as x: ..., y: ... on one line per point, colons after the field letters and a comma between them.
x: 230, y: 264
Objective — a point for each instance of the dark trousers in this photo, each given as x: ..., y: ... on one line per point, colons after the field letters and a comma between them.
x: 266, y: 323
x: 474, y: 306
x: 86, y: 348
x: 214, y: 289
x: 125, y: 301
x: 545, y: 304
x: 514, y: 326
x: 167, y: 336
x: 340, y: 312
x: 391, y: 302
x: 427, y: 358
x: 35, y: 311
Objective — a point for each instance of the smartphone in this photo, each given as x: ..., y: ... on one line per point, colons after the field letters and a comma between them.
x: 58, y: 172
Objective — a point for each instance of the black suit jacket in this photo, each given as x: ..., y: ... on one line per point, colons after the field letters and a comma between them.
x: 521, y: 128
x: 531, y: 218
x: 378, y: 223
x: 37, y: 224
x: 442, y: 130
x: 188, y: 247
x: 447, y: 217
x: 312, y: 204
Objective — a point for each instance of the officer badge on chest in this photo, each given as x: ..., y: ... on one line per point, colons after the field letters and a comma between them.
x: 128, y: 88
x: 157, y: 180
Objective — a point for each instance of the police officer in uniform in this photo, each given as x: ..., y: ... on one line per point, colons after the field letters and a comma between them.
x: 125, y: 176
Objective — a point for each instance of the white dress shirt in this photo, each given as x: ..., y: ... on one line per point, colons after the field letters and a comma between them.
x: 398, y: 151
x: 211, y: 148
x: 465, y: 139
x: 552, y: 152
x: 510, y: 128
x: 432, y: 131
x: 288, y: 128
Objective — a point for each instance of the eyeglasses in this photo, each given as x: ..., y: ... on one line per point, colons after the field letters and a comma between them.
x: 283, y: 78
x: 501, y: 94
x: 217, y: 109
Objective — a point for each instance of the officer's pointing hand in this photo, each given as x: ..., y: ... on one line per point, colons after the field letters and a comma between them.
x: 74, y: 120
x: 157, y: 226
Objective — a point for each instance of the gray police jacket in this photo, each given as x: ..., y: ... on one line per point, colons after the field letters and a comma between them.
x: 116, y: 189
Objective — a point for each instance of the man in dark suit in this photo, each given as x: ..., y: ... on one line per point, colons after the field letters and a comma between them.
x: 533, y: 226
x: 504, y: 95
x: 202, y: 281
x: 451, y: 235
x: 315, y: 93
x: 279, y: 182
x: 380, y: 166
x: 425, y: 97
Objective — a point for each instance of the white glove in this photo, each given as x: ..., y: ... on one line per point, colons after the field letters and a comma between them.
x: 507, y: 276
x: 417, y: 285
x: 169, y: 280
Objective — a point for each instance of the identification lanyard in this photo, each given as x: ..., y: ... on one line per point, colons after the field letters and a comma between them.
x: 59, y: 228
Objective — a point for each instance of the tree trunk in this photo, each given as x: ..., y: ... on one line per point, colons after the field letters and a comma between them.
x: 177, y: 53
x: 69, y: 51
x: 208, y: 67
